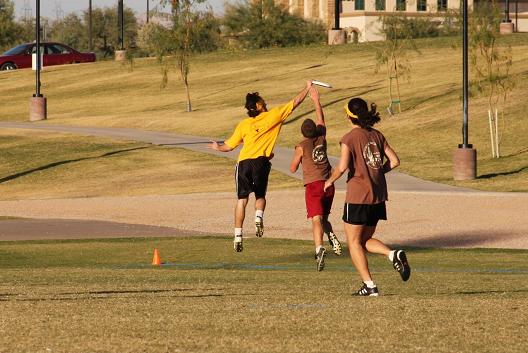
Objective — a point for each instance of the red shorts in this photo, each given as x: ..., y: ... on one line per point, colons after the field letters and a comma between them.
x: 318, y: 202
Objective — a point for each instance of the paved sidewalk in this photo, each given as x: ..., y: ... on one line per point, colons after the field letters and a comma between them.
x: 397, y: 181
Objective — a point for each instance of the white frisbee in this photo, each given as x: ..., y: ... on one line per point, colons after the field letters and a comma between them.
x: 322, y: 84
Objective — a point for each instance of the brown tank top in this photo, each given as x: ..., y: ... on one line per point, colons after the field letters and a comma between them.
x: 366, y: 182
x: 315, y: 164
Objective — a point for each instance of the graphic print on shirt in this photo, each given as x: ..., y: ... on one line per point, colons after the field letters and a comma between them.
x: 372, y: 155
x: 319, y: 154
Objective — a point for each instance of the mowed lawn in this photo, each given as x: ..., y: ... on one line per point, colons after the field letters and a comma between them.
x: 425, y: 134
x: 39, y: 165
x: 104, y: 296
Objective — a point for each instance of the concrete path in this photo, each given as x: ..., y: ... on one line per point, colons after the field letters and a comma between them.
x: 397, y: 181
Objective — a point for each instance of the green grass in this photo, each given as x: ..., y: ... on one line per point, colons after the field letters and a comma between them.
x: 425, y: 134
x: 103, y: 296
x: 37, y: 165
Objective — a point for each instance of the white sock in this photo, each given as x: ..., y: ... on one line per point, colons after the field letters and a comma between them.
x: 238, y: 232
x: 318, y: 248
x: 259, y: 213
x: 391, y: 255
x: 370, y: 284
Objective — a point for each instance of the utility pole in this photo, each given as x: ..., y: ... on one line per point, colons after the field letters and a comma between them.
x: 465, y: 157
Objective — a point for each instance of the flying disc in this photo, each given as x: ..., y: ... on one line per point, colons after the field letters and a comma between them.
x: 322, y: 84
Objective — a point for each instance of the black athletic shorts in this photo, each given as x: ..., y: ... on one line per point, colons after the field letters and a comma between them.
x: 367, y: 215
x: 251, y: 175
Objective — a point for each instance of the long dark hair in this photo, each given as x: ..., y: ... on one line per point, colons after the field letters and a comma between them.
x: 364, y: 117
x: 251, y: 104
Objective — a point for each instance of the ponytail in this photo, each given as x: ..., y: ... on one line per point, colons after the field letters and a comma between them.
x: 357, y: 111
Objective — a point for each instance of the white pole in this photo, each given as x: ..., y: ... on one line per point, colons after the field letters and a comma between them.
x: 497, y: 132
x: 490, y: 118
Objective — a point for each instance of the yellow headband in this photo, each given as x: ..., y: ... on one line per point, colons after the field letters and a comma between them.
x: 349, y: 113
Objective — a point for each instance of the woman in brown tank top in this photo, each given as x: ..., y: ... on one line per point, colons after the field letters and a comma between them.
x: 367, y: 156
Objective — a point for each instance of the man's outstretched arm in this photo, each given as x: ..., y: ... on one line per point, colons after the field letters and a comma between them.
x: 300, y: 97
x: 219, y: 147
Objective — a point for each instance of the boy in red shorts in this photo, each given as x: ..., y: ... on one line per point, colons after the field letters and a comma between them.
x: 311, y: 153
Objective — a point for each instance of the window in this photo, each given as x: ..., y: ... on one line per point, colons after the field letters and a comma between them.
x: 42, y: 49
x: 442, y: 5
x: 401, y: 5
x: 57, y: 49
x: 21, y: 49
x: 421, y: 5
x: 380, y: 5
x: 359, y: 5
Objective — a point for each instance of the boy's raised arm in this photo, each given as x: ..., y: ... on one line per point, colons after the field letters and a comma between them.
x: 314, y: 95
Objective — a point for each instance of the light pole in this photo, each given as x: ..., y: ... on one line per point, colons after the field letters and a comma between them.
x: 37, y: 103
x: 506, y: 27
x: 90, y: 23
x: 465, y: 156
x: 120, y: 53
x: 336, y: 35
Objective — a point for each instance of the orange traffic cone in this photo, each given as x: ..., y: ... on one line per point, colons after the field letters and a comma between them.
x: 156, y: 259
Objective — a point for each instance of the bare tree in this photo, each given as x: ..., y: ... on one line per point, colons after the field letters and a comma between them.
x: 491, y: 65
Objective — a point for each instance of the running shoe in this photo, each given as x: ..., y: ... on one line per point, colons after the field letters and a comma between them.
x: 319, y: 258
x: 400, y: 264
x: 259, y: 226
x: 334, y: 242
x: 365, y: 291
x: 237, y: 244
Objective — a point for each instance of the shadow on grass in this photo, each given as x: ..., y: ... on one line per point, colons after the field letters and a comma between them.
x: 462, y: 239
x: 492, y: 292
x: 110, y: 294
x: 493, y: 175
x: 56, y: 164
x: 264, y: 79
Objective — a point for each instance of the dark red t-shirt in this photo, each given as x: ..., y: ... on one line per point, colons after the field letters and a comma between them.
x: 366, y: 182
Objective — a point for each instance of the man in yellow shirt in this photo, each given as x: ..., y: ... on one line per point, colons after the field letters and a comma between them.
x: 258, y: 133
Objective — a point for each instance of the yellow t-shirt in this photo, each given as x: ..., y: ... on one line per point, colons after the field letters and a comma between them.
x: 260, y: 133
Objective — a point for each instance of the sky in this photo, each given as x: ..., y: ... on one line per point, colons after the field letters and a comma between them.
x: 50, y: 8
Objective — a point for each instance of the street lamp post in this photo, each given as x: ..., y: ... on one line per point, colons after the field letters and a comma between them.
x: 465, y: 156
x: 120, y: 53
x: 37, y: 104
x: 336, y: 35
x: 90, y: 24
x: 506, y: 27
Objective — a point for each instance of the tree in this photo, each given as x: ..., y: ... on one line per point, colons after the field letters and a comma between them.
x: 10, y: 31
x: 192, y: 31
x: 261, y: 24
x: 104, y: 27
x: 491, y: 64
x: 70, y: 30
x: 392, y: 53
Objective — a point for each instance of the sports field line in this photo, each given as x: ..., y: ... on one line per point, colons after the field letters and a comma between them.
x: 329, y: 267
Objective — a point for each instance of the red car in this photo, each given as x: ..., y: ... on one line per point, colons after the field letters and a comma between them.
x: 54, y: 54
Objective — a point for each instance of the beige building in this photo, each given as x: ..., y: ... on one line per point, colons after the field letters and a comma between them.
x: 360, y: 18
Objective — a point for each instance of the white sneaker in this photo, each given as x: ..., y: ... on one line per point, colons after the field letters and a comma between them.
x: 237, y: 243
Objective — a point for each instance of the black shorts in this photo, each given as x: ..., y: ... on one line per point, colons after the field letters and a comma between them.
x: 251, y: 175
x: 367, y: 215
